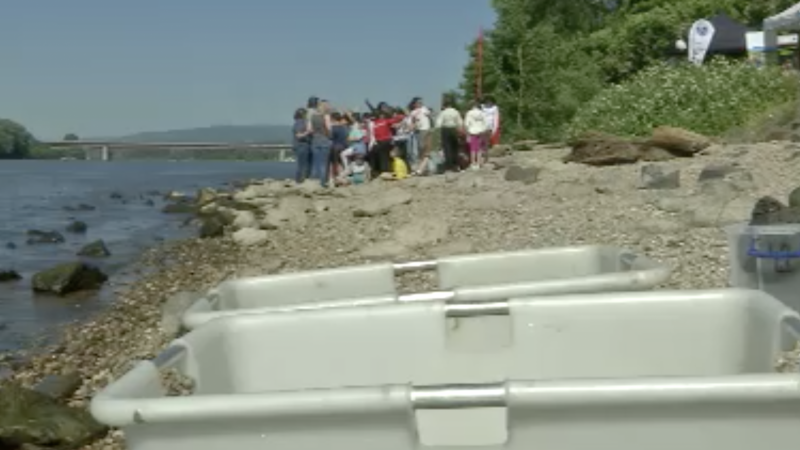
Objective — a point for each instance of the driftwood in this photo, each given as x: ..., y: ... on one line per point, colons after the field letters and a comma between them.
x: 679, y: 141
x: 602, y: 149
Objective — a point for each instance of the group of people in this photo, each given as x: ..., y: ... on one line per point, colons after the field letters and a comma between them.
x: 341, y: 147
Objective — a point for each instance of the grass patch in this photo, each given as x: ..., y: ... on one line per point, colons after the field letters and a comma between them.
x: 710, y: 99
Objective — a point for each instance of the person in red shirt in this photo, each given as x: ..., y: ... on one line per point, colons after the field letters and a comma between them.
x: 382, y: 135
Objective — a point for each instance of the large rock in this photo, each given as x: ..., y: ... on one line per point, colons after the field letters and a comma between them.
x: 600, y: 149
x: 679, y: 141
x: 68, y: 277
x: 249, y: 237
x: 524, y: 175
x: 770, y: 211
x: 77, y: 226
x: 95, y: 249
x: 44, y: 237
x: 794, y: 198
x: 205, y: 196
x: 653, y: 176
x: 383, y: 203
x: 180, y: 207
x: 30, y: 418
x: 59, y: 387
x: 245, y: 219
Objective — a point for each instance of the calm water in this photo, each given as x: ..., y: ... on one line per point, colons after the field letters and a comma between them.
x: 34, y: 194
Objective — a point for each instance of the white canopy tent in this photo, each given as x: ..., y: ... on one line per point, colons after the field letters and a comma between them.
x: 789, y: 18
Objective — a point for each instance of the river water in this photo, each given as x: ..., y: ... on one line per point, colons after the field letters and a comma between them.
x: 127, y: 216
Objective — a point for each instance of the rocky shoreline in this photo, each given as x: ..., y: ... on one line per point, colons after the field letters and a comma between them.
x: 671, y: 210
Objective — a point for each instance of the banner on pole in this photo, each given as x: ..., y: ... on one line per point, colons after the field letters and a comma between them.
x: 700, y: 36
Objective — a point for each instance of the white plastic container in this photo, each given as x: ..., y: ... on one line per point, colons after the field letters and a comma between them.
x: 487, y: 276
x: 766, y: 258
x: 657, y: 370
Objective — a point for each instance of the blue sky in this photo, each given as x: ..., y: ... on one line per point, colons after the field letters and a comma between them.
x: 105, y: 68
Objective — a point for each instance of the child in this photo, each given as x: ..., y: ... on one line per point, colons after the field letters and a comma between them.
x: 357, y: 172
x: 399, y: 167
x: 475, y: 123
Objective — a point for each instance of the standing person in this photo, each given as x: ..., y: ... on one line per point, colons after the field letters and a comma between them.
x: 340, y: 130
x: 382, y: 134
x: 319, y: 126
x: 450, y: 124
x: 421, y: 124
x: 475, y: 123
x: 402, y: 137
x: 301, y: 145
x: 492, y: 113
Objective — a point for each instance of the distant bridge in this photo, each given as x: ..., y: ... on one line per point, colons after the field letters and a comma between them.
x: 105, y: 150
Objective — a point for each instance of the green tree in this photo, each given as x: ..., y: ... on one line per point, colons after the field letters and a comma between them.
x: 15, y: 140
x: 543, y: 60
x: 71, y: 137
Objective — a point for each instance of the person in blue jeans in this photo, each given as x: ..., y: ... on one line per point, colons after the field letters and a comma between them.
x: 319, y: 127
x: 301, y: 145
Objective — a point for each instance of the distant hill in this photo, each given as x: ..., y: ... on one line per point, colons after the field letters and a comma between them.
x: 270, y: 134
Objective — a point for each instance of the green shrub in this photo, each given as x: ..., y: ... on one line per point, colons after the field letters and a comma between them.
x: 709, y: 99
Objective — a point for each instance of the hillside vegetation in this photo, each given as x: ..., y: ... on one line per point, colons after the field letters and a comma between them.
x: 262, y: 134
x: 546, y: 61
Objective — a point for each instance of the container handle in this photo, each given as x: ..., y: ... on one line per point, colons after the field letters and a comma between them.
x: 771, y: 254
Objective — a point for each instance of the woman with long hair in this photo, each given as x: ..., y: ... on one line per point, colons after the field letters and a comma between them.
x: 319, y: 127
x: 382, y: 134
x: 301, y: 144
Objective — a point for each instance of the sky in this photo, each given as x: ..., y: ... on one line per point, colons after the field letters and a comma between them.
x: 109, y: 68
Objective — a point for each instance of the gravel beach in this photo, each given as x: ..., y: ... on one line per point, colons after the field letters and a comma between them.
x: 524, y: 200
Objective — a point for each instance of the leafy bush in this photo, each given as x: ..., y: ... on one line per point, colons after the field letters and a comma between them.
x: 708, y: 99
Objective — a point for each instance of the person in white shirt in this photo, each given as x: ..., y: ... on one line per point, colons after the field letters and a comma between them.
x: 492, y: 113
x: 450, y: 124
x: 475, y: 123
x: 421, y: 137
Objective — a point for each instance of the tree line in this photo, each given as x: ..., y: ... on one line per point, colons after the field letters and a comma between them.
x: 16, y: 142
x: 544, y: 59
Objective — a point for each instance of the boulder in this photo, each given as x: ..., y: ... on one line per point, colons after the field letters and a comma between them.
x: 770, y: 211
x: 205, y: 196
x: 245, y: 219
x: 95, y: 249
x: 11, y: 246
x: 524, y: 175
x: 30, y: 418
x: 77, y: 226
x: 499, y: 151
x: 59, y: 387
x: 44, y: 237
x: 7, y: 275
x: 600, y: 149
x: 794, y: 198
x: 652, y: 176
x: 68, y: 277
x: 212, y: 226
x: 679, y: 141
x: 249, y: 237
x: 180, y: 207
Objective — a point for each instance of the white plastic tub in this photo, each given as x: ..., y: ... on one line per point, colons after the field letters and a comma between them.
x: 656, y: 370
x: 766, y: 257
x: 488, y: 276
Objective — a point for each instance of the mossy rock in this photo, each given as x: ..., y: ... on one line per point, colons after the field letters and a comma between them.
x: 96, y: 249
x: 68, y: 277
x: 794, y: 198
x: 179, y: 208
x: 239, y: 206
x: 34, y: 418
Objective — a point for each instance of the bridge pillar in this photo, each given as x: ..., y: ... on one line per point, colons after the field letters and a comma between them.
x: 104, y: 155
x: 282, y: 155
